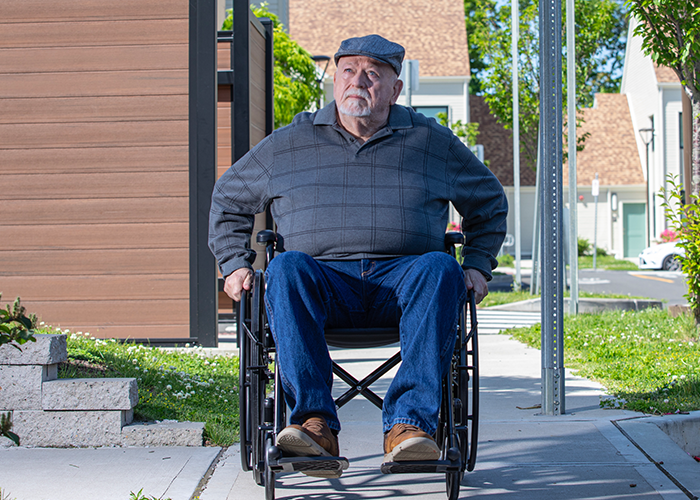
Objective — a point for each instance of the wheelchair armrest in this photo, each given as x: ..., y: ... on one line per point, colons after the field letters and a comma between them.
x: 265, y: 237
x: 453, y: 238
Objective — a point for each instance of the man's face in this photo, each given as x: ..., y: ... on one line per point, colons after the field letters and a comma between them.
x: 363, y: 86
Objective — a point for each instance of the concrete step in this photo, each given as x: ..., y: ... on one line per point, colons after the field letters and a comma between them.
x: 165, y: 433
x: 20, y: 385
x: 90, y: 394
x: 48, y: 349
x: 70, y: 428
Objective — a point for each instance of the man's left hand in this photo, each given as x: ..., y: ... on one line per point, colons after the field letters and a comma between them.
x: 476, y: 281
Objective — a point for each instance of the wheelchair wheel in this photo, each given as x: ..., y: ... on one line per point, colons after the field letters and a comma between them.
x: 269, y: 473
x: 244, y: 386
x: 257, y: 369
x: 471, y: 395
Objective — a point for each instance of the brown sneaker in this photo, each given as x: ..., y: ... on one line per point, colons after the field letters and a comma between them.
x: 405, y: 443
x: 311, y: 439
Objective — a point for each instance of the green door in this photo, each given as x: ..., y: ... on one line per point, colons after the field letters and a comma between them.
x: 633, y: 228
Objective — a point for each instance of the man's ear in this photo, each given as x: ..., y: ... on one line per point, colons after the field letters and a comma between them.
x: 398, y: 87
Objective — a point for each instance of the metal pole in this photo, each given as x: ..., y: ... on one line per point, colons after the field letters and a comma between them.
x: 595, y: 220
x: 553, y: 273
x: 516, y: 138
x: 573, y: 191
x: 648, y: 204
x: 535, y: 278
x: 409, y: 84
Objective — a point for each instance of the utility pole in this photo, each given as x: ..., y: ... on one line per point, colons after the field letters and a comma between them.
x: 553, y: 275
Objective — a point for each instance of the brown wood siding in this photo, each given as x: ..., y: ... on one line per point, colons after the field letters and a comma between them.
x: 94, y: 152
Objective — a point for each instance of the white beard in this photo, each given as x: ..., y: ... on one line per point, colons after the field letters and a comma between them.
x: 354, y: 107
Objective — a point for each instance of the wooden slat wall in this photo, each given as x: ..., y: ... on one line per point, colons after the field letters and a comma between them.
x: 94, y: 158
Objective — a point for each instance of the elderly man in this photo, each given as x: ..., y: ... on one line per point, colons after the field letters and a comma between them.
x: 360, y: 192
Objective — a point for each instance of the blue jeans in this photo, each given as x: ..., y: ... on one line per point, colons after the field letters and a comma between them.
x: 421, y: 294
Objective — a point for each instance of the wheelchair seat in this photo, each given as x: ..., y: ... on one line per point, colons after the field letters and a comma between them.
x: 263, y: 410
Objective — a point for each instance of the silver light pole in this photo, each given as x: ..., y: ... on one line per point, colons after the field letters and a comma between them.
x: 573, y: 191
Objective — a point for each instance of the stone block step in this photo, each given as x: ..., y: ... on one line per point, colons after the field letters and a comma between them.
x: 48, y: 349
x: 20, y: 385
x: 166, y: 433
x: 70, y: 428
x: 90, y: 394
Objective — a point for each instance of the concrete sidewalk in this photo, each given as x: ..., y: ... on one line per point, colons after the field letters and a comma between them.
x: 589, y: 453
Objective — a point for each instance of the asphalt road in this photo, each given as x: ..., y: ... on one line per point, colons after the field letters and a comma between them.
x: 663, y: 285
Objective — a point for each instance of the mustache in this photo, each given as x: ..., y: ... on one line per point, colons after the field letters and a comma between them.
x: 357, y: 92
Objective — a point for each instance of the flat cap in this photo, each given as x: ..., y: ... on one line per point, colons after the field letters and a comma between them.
x: 373, y: 46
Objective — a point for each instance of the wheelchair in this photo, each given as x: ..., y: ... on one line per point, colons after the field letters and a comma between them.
x: 263, y: 410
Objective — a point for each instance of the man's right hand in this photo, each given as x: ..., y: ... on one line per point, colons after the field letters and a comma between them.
x: 239, y: 280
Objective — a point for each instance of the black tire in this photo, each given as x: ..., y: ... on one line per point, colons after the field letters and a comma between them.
x: 472, y: 411
x: 671, y: 263
x: 258, y: 381
x: 269, y: 473
x: 453, y: 479
x: 244, y: 381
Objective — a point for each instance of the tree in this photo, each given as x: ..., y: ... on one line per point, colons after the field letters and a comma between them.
x: 670, y: 32
x: 296, y: 87
x: 477, y: 13
x: 600, y: 39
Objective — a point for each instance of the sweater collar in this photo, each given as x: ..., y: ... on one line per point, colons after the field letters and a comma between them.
x: 399, y: 116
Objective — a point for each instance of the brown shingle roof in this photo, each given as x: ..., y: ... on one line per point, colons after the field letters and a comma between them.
x: 431, y: 31
x: 611, y: 149
x: 664, y: 74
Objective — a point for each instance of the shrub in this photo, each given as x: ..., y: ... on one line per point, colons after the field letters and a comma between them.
x: 685, y: 220
x: 506, y: 260
x: 584, y: 247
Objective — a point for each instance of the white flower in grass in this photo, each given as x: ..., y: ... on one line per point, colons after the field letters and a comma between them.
x: 168, y: 387
x: 666, y: 401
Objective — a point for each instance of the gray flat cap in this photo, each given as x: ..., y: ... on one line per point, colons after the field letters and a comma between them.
x: 373, y: 46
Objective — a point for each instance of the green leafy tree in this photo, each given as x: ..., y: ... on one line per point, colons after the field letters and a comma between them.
x: 468, y: 132
x: 476, y: 16
x: 670, y: 32
x: 296, y: 87
x: 600, y: 39
x: 684, y: 218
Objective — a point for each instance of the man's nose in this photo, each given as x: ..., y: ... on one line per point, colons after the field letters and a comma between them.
x: 360, y: 80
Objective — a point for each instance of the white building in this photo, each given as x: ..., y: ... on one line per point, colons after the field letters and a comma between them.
x: 655, y: 98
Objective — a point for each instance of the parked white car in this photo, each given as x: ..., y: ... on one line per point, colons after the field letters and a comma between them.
x: 663, y: 256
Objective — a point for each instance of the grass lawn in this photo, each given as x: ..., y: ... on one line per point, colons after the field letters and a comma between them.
x: 499, y: 298
x: 606, y: 262
x: 183, y: 384
x: 648, y: 360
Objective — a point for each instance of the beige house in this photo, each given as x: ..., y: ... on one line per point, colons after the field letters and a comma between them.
x: 432, y: 33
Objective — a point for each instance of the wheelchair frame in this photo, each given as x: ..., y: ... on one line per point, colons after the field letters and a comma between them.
x: 263, y: 411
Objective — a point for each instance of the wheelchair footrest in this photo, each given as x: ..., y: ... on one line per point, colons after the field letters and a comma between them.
x: 301, y: 464
x: 422, y: 467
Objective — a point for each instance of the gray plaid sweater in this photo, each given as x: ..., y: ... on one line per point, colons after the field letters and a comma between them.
x: 334, y: 198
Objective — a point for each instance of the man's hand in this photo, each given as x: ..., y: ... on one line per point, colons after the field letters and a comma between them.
x: 238, y: 280
x: 476, y: 281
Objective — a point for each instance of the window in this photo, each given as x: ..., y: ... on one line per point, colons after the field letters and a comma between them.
x: 431, y: 111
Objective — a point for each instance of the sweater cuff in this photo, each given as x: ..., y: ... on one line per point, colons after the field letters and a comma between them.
x: 232, y: 265
x: 479, y: 260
